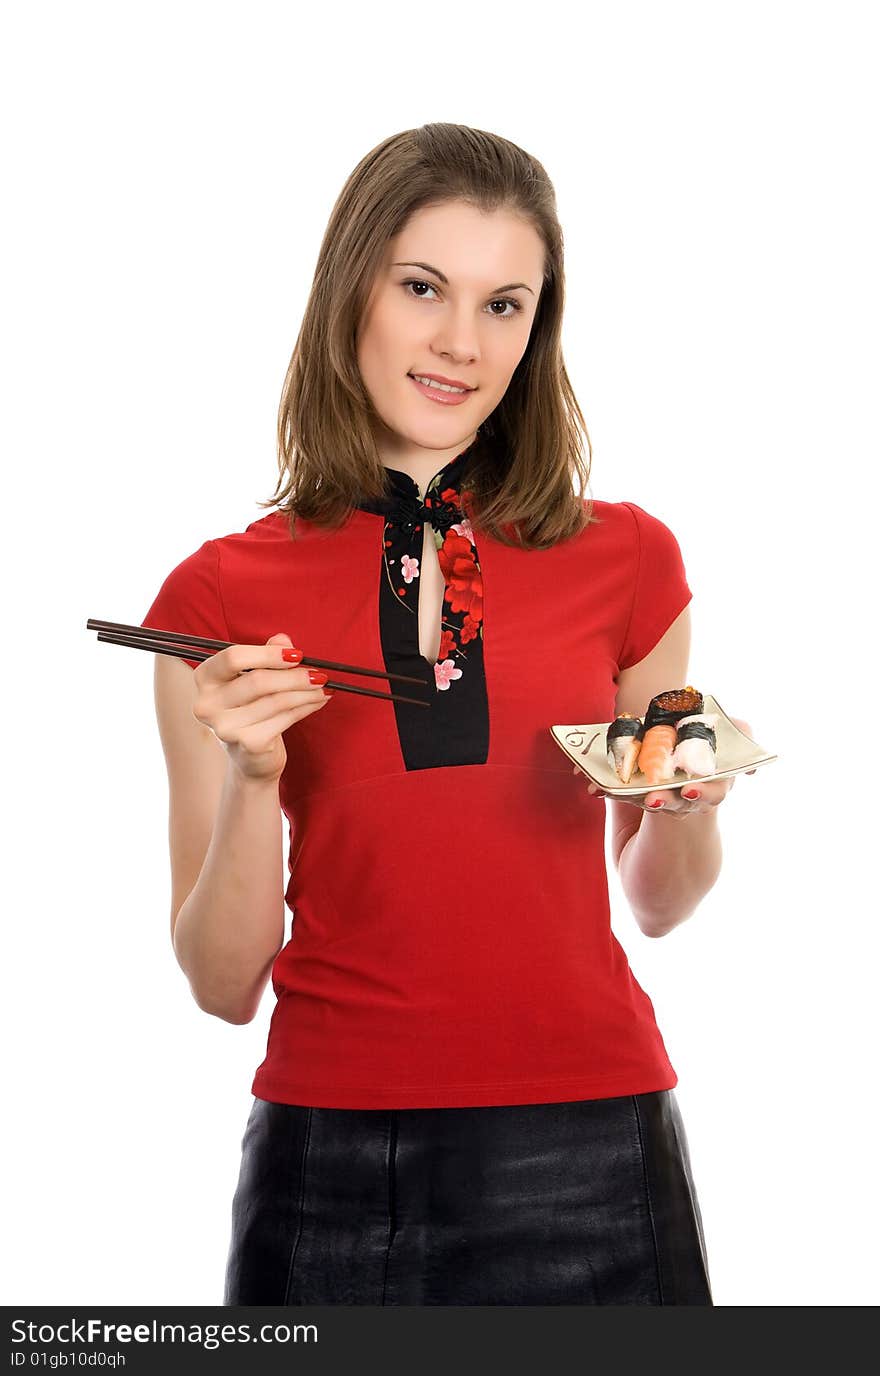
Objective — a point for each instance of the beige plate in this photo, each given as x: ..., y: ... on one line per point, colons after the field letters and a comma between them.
x: 585, y: 747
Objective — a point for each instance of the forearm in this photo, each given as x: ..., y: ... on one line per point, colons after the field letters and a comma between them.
x: 668, y: 866
x: 231, y: 926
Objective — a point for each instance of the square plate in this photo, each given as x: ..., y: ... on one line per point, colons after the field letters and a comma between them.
x: 585, y: 747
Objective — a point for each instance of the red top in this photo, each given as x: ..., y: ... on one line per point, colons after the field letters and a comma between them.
x: 451, y: 941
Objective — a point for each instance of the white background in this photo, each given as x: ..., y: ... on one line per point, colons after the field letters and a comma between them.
x: 169, y: 171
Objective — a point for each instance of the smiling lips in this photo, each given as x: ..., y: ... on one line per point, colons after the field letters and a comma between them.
x: 455, y: 382
x: 443, y: 393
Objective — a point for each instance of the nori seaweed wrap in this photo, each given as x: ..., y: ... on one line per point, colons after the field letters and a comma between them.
x: 667, y: 709
x: 623, y: 741
x: 624, y: 725
x: 696, y: 730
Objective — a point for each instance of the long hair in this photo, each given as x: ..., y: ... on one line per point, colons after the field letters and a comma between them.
x: 529, y: 450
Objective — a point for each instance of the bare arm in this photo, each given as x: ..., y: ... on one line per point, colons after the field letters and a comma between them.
x: 227, y: 908
x: 666, y: 867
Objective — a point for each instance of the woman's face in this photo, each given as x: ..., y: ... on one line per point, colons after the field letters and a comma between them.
x: 472, y: 328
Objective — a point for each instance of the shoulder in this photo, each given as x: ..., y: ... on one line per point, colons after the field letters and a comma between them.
x: 202, y: 571
x: 222, y: 555
x: 636, y: 529
x: 263, y: 533
x: 626, y: 517
x: 628, y: 531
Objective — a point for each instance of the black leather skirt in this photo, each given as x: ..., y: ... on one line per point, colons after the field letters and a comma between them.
x: 586, y: 1202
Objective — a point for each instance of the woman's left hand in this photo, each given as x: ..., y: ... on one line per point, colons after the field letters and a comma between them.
x: 676, y: 801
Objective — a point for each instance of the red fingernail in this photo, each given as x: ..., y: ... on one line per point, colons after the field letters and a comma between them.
x: 292, y: 656
x: 696, y: 794
x: 318, y: 676
x: 657, y: 803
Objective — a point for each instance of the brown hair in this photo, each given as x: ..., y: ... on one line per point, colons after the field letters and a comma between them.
x: 529, y: 449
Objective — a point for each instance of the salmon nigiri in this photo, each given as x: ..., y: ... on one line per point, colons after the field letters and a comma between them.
x: 661, y: 731
x: 655, y: 756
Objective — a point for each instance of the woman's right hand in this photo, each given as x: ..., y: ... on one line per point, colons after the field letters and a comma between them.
x: 249, y: 711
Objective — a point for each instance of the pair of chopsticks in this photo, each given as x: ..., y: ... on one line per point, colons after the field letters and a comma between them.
x: 199, y: 648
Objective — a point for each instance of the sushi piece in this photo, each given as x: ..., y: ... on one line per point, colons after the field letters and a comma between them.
x: 623, y: 741
x: 695, y: 745
x: 661, y: 730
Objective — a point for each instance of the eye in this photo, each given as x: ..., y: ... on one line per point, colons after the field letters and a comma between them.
x: 501, y: 300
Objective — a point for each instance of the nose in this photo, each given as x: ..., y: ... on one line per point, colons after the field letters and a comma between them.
x: 458, y: 337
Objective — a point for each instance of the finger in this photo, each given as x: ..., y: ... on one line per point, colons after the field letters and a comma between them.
x: 591, y: 787
x: 673, y: 802
x: 262, y: 737
x: 227, y: 664
x: 268, y: 683
x: 743, y: 726
x: 236, y: 726
x: 710, y: 794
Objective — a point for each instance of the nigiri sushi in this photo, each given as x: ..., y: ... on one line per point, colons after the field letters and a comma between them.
x: 661, y: 722
x: 695, y: 744
x: 623, y: 741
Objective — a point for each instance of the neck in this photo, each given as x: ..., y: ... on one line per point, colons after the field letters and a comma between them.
x: 421, y: 464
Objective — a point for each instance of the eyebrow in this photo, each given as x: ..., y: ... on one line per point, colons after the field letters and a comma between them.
x: 511, y: 286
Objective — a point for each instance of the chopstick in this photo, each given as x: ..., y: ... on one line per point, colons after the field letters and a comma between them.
x: 140, y: 632
x: 181, y: 646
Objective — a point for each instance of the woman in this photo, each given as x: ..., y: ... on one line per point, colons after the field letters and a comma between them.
x: 465, y: 1097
